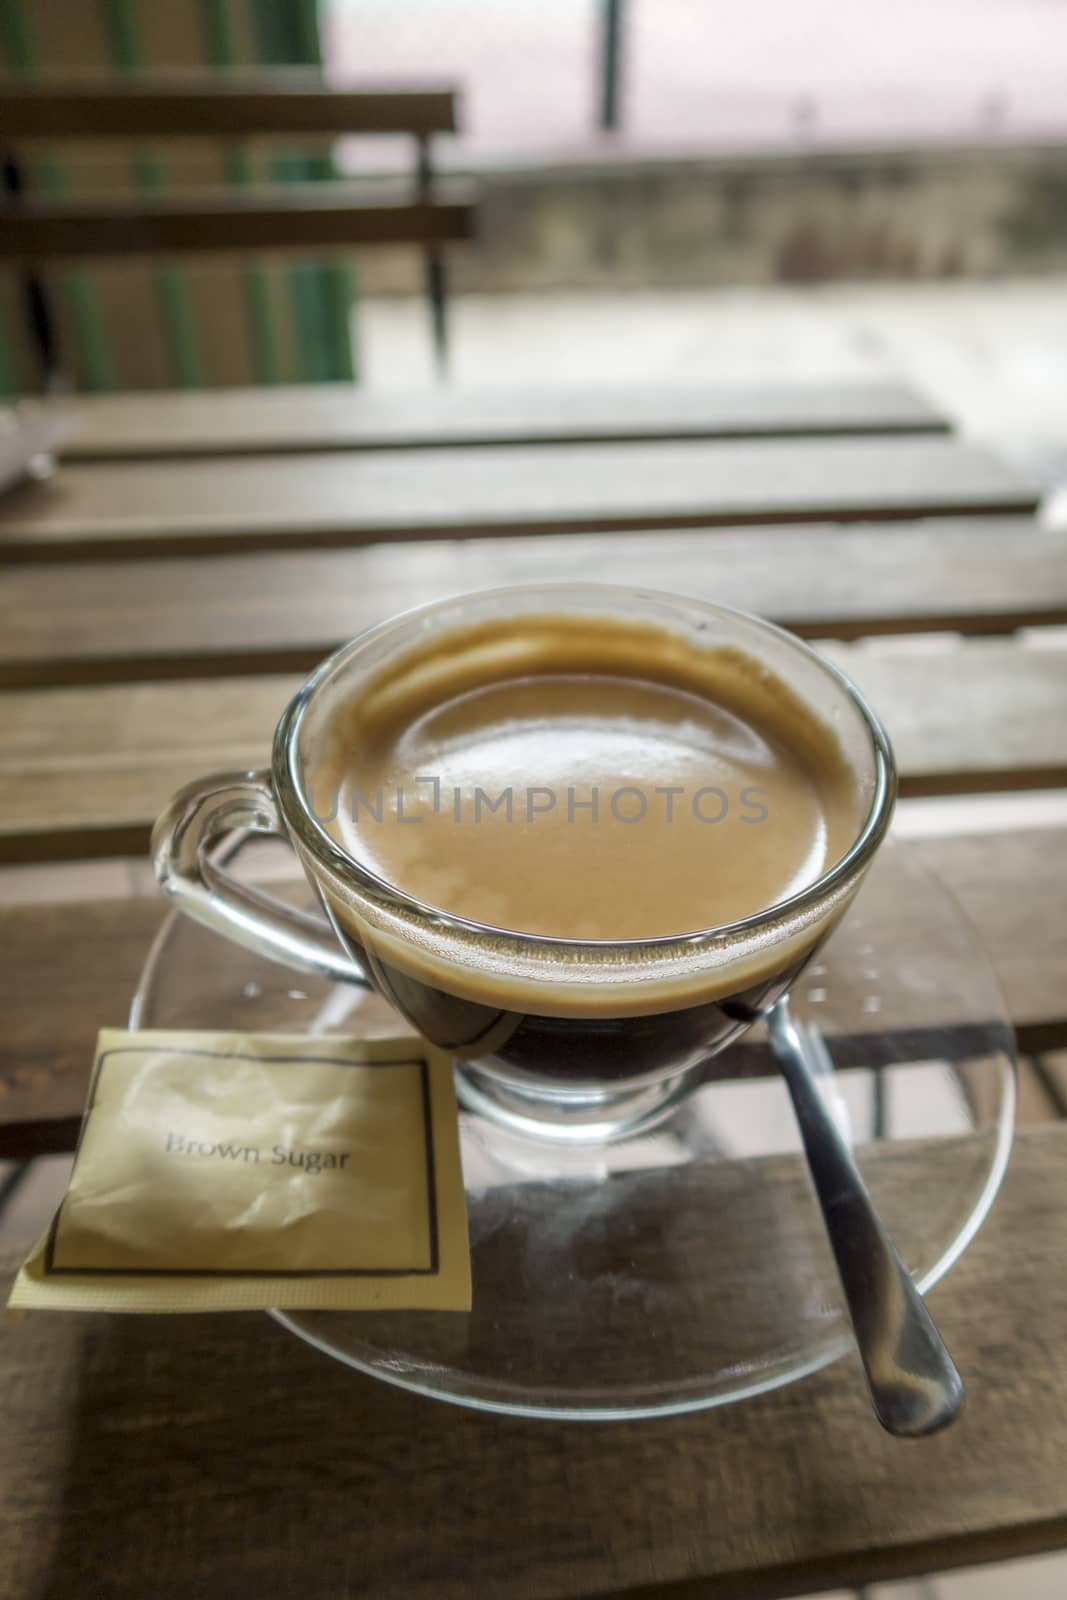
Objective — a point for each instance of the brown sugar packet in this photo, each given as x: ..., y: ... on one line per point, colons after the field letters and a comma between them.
x: 235, y: 1172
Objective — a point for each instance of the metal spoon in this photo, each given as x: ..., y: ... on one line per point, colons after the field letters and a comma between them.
x: 914, y: 1384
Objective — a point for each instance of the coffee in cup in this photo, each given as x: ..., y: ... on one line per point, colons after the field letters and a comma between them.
x: 581, y: 837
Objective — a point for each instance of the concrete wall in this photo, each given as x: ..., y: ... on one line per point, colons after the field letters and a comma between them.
x: 803, y: 218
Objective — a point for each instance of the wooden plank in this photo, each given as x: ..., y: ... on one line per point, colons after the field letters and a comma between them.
x: 275, y: 612
x: 795, y: 1491
x: 72, y: 968
x: 240, y: 106
x: 83, y: 772
x: 986, y: 716
x: 300, y: 217
x: 225, y: 505
x: 1037, y: 1100
x: 87, y: 957
x: 1051, y: 1070
x: 1008, y: 884
x: 339, y: 417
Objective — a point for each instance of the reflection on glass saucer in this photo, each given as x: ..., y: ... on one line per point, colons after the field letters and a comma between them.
x: 685, y: 1266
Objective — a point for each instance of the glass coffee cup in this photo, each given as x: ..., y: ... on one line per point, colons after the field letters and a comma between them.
x: 573, y: 1037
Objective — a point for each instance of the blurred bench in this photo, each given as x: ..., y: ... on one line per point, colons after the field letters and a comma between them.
x: 301, y: 218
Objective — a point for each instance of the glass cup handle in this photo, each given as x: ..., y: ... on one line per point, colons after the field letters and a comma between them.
x: 195, y: 819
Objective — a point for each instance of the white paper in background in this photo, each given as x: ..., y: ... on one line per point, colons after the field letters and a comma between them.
x: 29, y: 440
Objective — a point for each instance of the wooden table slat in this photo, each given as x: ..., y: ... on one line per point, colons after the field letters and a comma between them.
x: 341, y: 417
x: 302, y: 217
x: 193, y: 1455
x: 73, y: 967
x: 283, y: 611
x: 281, y: 103
x: 1051, y: 1071
x: 84, y: 772
x: 158, y: 508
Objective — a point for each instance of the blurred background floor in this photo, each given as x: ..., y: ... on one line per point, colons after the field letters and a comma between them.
x: 993, y: 355
x: 1039, y: 1578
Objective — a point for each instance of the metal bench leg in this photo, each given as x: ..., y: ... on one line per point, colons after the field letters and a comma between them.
x: 436, y: 289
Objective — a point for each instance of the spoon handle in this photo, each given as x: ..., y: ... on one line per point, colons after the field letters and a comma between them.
x: 915, y: 1387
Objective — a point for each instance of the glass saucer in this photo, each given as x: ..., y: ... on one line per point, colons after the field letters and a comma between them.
x: 685, y: 1266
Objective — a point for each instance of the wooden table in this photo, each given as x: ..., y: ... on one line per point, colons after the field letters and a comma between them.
x: 163, y: 592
